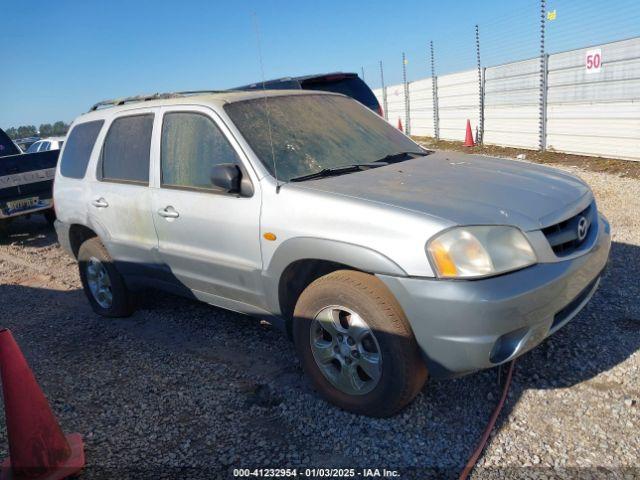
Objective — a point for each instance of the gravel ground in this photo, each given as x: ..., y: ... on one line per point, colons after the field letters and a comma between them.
x: 185, y: 390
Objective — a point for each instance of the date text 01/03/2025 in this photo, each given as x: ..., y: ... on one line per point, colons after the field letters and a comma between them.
x: 315, y: 472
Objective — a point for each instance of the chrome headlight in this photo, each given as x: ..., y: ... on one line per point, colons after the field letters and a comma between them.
x: 479, y: 251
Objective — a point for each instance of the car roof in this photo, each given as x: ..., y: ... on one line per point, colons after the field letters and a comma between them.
x: 301, y: 79
x: 215, y: 99
x: 53, y: 139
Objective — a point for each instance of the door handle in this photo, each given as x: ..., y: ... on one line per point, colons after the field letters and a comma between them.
x: 100, y: 203
x: 168, y: 212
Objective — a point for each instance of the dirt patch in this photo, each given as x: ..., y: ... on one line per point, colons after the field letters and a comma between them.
x: 622, y: 168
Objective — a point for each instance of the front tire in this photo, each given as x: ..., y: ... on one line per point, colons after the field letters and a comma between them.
x: 102, y: 283
x: 356, y: 345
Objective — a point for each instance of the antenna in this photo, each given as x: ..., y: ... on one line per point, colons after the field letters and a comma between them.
x: 266, y: 101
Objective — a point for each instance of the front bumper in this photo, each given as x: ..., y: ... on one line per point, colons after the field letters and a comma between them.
x: 467, y: 325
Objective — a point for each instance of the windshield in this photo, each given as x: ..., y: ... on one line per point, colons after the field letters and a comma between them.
x: 311, y: 133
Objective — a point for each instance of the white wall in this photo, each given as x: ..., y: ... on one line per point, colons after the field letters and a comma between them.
x: 395, y: 103
x: 421, y: 104
x: 598, y: 113
x: 458, y: 100
x: 512, y: 104
x: 589, y: 114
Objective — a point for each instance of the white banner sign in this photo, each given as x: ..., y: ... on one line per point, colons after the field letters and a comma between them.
x: 593, y: 60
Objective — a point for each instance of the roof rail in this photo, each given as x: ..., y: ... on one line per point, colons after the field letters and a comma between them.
x: 146, y: 98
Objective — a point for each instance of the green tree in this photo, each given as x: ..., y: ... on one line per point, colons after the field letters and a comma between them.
x: 46, y: 130
x: 27, y: 131
x: 12, y: 132
x: 60, y: 128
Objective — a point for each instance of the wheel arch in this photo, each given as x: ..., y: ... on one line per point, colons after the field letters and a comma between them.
x: 299, y: 261
x: 78, y: 234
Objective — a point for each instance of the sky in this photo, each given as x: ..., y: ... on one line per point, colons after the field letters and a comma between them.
x: 59, y: 58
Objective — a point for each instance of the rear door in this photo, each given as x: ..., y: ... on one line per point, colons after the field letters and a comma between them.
x: 120, y: 199
x: 208, y: 238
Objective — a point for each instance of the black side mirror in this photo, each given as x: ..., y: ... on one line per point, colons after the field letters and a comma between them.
x: 226, y: 176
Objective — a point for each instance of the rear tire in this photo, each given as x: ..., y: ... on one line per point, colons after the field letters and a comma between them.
x: 356, y: 345
x: 102, y: 283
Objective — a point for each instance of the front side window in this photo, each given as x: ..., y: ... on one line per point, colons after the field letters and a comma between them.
x: 78, y: 150
x: 305, y: 134
x: 191, y: 145
x: 126, y: 150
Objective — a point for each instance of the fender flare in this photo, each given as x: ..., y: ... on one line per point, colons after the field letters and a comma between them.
x: 310, y: 248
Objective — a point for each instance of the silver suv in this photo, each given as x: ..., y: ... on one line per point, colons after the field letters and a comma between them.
x: 383, y: 261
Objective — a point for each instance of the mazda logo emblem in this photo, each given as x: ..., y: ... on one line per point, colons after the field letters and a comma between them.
x: 583, y: 226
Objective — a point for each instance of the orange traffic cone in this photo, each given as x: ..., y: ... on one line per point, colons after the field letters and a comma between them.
x: 468, y: 140
x: 37, y: 447
x: 400, y: 125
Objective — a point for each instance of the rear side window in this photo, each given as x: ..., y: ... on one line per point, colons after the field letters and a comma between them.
x: 78, y: 150
x: 191, y: 145
x: 125, y: 154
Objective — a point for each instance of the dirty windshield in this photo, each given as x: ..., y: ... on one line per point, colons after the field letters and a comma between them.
x: 311, y: 133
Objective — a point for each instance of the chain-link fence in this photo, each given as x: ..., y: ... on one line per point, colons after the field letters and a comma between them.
x: 561, y: 75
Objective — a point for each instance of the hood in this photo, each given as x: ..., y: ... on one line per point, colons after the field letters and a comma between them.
x: 468, y: 190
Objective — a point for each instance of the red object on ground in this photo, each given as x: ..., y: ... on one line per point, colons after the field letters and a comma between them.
x: 468, y: 139
x: 400, y: 125
x: 473, y: 459
x: 37, y: 447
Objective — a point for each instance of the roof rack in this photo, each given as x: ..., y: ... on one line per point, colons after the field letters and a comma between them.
x: 146, y: 98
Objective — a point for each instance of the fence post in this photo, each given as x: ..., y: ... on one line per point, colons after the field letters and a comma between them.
x: 480, y: 92
x: 384, y: 94
x: 407, y: 118
x: 482, y: 95
x: 434, y: 90
x: 542, y: 127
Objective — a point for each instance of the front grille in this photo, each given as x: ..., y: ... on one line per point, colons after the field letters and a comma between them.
x: 564, y: 237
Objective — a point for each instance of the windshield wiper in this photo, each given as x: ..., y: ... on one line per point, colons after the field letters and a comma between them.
x: 399, y: 156
x: 329, y: 172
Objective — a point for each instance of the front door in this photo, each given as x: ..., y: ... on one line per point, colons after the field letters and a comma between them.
x: 208, y: 238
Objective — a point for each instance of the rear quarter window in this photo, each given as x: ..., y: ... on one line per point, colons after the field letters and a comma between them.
x: 78, y: 150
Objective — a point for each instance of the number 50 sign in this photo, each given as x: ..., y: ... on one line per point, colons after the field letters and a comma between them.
x: 593, y: 60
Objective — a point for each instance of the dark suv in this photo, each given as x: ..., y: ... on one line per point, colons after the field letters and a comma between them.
x: 348, y: 84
